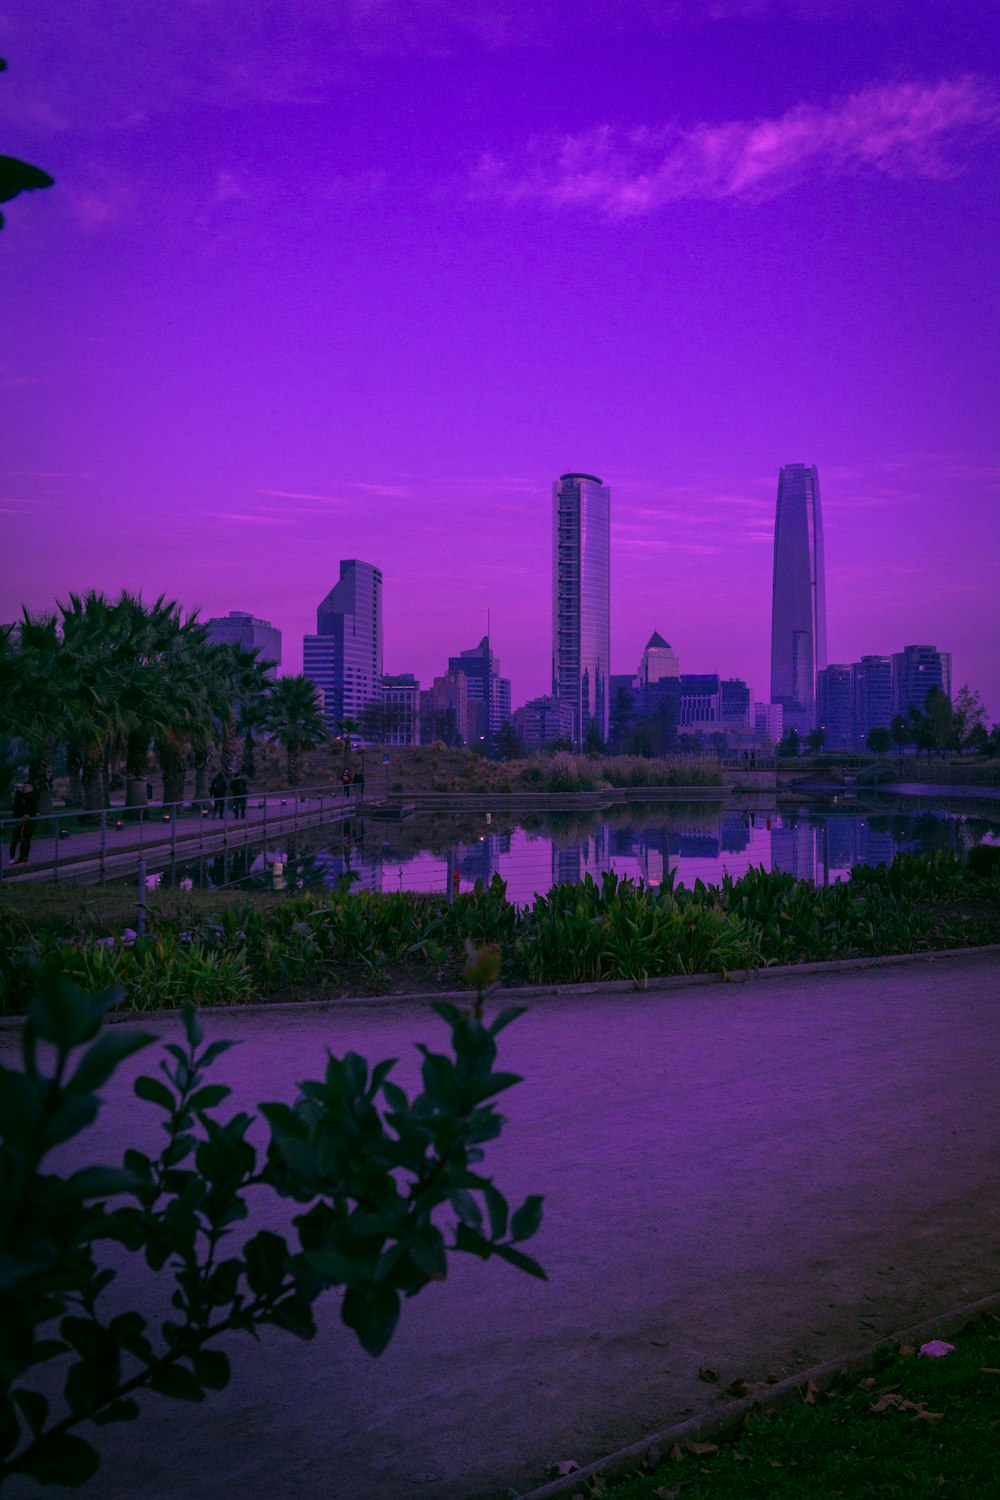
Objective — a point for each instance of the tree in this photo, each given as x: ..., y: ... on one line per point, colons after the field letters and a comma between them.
x: 19, y: 176
x: 901, y: 731
x: 940, y: 721
x: 369, y: 1169
x: 593, y: 740
x: 815, y: 740
x: 622, y: 710
x: 789, y: 745
x: 969, y: 719
x: 879, y: 740
x: 381, y: 721
x: 294, y: 717
x: 508, y: 746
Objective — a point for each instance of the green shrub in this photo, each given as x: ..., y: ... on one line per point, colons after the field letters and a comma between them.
x: 368, y: 1169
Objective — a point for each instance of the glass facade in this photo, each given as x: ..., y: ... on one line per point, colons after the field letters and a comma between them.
x: 581, y: 600
x: 798, y: 597
x: 344, y: 657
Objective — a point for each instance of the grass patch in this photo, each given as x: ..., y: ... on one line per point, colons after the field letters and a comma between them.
x: 914, y: 1428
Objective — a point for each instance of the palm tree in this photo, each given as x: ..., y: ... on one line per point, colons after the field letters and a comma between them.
x: 156, y: 692
x: 91, y: 688
x: 244, y: 686
x: 295, y: 718
x: 31, y: 681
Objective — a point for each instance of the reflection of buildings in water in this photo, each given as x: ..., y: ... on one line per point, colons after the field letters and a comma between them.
x: 332, y: 863
x: 793, y: 849
x: 653, y: 860
x: 734, y: 832
x: 841, y: 845
x: 588, y: 857
x: 873, y: 848
x: 481, y: 860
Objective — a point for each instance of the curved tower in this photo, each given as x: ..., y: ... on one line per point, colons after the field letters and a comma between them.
x: 798, y: 597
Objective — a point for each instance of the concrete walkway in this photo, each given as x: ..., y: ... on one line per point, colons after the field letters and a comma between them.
x: 750, y: 1177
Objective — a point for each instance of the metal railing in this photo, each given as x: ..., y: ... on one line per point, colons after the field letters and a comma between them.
x: 115, y: 838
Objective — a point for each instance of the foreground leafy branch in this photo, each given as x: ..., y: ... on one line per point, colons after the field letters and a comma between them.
x: 367, y: 1166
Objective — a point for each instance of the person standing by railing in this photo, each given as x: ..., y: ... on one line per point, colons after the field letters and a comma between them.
x: 24, y: 806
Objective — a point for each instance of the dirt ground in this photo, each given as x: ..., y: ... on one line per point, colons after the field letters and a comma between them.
x: 749, y: 1177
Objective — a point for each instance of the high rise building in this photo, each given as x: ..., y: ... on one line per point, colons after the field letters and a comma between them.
x: 871, y: 693
x: 798, y: 597
x: 581, y: 600
x: 488, y: 693
x: 915, y: 670
x: 242, y: 629
x: 835, y: 707
x: 344, y: 657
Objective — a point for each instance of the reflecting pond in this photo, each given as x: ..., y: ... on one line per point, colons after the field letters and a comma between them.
x: 691, y: 841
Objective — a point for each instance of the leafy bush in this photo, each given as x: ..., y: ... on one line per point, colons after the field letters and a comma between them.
x: 368, y: 1169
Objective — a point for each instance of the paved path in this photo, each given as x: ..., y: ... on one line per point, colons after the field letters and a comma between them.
x: 752, y: 1177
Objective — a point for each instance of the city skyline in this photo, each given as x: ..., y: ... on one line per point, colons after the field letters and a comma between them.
x: 262, y: 323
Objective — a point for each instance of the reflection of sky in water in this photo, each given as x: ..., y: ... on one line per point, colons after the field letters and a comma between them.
x: 700, y: 846
x: 821, y: 850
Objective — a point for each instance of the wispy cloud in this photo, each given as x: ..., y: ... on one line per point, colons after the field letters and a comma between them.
x: 899, y: 130
x: 302, y: 495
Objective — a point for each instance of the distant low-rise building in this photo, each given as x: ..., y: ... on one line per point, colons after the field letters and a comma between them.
x: 444, y: 710
x: 543, y: 721
x: 768, y: 725
x: 401, y: 705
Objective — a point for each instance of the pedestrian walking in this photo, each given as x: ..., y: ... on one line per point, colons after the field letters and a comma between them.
x: 346, y: 782
x: 218, y: 791
x: 24, y: 806
x: 359, y: 782
x: 238, y: 787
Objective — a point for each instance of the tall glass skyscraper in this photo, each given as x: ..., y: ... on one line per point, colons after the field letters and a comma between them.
x: 798, y: 597
x: 344, y: 657
x: 581, y: 600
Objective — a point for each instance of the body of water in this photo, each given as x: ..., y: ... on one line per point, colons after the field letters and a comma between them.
x: 651, y: 842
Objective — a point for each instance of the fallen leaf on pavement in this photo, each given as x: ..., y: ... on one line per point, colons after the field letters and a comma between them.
x: 906, y: 1351
x: 706, y: 1373
x: 676, y: 1454
x: 812, y: 1391
x: 936, y: 1349
x: 928, y: 1416
x: 563, y: 1467
x: 701, y: 1448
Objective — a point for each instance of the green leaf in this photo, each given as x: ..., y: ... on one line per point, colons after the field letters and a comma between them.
x: 155, y: 1092
x: 496, y: 1206
x: 125, y: 1410
x: 60, y: 1459
x: 527, y: 1218
x: 100, y: 1061
x: 214, y: 1050
x: 65, y: 1015
x: 211, y: 1367
x: 192, y: 1025
x: 466, y: 1207
x: 35, y: 1409
x: 102, y: 1182
x: 266, y: 1255
x: 208, y: 1097
x: 74, y: 1114
x: 373, y: 1312
x: 523, y: 1262
x: 21, y: 1110
x: 176, y: 1381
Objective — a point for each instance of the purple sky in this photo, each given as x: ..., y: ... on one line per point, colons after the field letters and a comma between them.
x: 359, y: 278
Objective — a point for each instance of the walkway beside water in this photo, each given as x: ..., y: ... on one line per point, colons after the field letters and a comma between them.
x: 750, y: 1177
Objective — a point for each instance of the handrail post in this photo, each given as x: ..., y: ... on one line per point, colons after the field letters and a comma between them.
x: 104, y: 842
